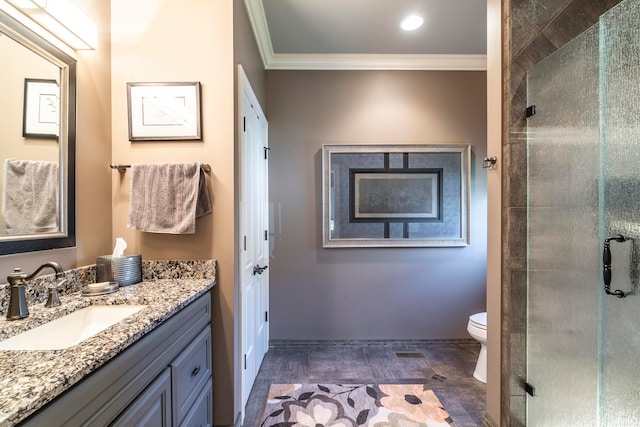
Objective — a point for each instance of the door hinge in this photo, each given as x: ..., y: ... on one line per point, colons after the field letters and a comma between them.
x: 244, y: 124
x: 245, y: 243
x: 266, y: 234
x: 266, y: 151
x: 245, y: 361
x: 531, y: 111
x: 266, y: 316
x: 531, y: 390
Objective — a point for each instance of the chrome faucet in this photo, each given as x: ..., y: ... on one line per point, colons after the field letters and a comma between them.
x: 17, y: 300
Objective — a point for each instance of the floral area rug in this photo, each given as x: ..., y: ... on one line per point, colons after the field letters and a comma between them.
x: 353, y: 405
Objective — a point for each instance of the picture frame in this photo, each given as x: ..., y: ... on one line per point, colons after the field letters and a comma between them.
x: 395, y: 195
x: 164, y: 111
x: 41, y: 109
x: 381, y: 195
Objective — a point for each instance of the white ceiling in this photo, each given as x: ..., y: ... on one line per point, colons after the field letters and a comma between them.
x: 365, y: 34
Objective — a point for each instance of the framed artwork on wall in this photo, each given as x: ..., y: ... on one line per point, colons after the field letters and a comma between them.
x: 164, y: 111
x: 387, y: 195
x: 41, y: 109
x: 396, y: 195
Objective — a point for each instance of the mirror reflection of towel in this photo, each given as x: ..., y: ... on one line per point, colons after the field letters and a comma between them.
x: 30, y: 196
x: 167, y: 197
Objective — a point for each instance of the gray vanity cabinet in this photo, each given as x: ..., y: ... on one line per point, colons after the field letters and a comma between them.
x: 164, y: 379
x: 152, y: 408
x: 190, y: 374
x: 201, y: 413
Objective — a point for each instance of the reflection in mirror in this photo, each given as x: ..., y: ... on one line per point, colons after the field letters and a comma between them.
x: 37, y: 142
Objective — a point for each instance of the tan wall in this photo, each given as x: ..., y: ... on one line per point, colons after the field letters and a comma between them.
x: 198, y: 47
x: 494, y: 209
x: 93, y: 212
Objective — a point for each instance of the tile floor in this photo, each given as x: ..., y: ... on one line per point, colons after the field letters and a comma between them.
x: 447, y: 368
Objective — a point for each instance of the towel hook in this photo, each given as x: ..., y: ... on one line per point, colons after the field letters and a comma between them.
x: 489, y: 162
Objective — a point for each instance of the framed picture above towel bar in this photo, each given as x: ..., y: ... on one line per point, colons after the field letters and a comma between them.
x: 164, y: 111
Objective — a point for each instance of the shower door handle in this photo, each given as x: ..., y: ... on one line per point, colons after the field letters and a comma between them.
x: 606, y: 266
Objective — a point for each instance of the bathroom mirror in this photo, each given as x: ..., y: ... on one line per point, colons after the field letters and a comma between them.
x: 37, y: 141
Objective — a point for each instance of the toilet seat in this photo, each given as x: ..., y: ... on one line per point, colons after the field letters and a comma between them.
x: 479, y: 320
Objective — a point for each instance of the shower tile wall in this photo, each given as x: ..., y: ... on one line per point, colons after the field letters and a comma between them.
x: 532, y: 30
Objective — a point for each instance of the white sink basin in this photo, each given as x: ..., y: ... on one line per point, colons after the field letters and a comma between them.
x: 71, y: 329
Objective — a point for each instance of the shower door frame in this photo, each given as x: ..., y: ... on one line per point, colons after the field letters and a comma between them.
x: 520, y: 50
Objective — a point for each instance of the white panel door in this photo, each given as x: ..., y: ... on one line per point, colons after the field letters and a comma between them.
x: 254, y: 255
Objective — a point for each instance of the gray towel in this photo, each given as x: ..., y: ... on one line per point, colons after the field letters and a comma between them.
x: 30, y: 196
x: 167, y: 197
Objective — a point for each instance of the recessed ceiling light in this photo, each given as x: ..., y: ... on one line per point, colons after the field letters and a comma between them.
x: 411, y: 22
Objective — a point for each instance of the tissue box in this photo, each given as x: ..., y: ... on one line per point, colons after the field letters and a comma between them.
x: 125, y: 270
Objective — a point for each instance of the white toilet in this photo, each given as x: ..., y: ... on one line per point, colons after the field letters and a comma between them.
x: 477, y: 328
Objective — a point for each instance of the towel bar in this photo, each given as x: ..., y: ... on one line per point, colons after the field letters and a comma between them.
x: 123, y: 168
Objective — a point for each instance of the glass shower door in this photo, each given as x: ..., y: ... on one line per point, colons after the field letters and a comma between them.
x: 583, y: 148
x: 620, y: 211
x: 563, y: 238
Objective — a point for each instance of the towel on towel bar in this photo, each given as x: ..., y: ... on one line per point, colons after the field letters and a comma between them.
x: 167, y: 197
x: 30, y: 197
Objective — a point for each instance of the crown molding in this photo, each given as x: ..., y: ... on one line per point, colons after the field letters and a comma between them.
x: 287, y: 61
x: 280, y: 61
x: 258, y: 21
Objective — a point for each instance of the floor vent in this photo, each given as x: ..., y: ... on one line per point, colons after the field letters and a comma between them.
x: 438, y: 378
x: 410, y: 355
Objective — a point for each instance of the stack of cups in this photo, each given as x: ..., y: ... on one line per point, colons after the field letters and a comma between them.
x: 125, y: 270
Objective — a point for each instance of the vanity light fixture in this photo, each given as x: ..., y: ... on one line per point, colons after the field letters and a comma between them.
x: 63, y: 19
x: 412, y: 22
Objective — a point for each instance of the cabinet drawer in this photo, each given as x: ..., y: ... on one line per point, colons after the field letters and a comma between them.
x: 201, y: 413
x: 190, y: 371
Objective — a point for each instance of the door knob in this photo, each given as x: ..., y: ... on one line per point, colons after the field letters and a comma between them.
x: 259, y: 270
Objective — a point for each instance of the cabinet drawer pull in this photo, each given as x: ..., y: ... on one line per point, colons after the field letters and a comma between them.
x: 195, y: 371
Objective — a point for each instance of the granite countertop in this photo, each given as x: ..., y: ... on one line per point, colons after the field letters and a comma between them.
x: 30, y: 379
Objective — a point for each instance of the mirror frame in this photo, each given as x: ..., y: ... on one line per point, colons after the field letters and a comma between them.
x: 66, y: 237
